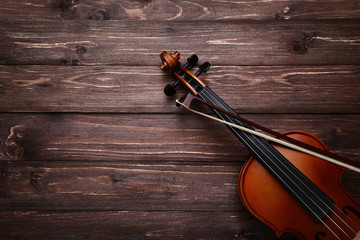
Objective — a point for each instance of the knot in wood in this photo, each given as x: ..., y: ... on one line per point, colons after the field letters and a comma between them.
x: 13, y: 148
x: 99, y: 15
x: 75, y: 62
x: 35, y: 181
x: 308, y: 37
x: 80, y: 50
x: 302, y: 46
x: 68, y: 8
x: 283, y: 15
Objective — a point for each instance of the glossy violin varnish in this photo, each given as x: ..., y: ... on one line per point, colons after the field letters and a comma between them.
x: 286, y: 187
x: 265, y: 198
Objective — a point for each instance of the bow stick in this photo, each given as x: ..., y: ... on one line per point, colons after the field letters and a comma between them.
x: 293, y: 143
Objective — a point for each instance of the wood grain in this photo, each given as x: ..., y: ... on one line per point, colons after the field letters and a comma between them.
x: 91, y: 148
x: 54, y: 42
x: 179, y: 10
x: 139, y: 89
x: 161, y: 138
x: 132, y: 225
x: 120, y: 186
x: 145, y: 186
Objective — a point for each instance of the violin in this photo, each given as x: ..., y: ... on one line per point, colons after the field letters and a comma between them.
x: 287, y: 189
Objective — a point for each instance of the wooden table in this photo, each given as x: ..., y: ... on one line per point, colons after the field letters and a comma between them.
x: 92, y: 148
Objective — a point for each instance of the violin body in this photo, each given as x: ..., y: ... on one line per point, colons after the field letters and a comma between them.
x: 289, y: 190
x: 266, y: 198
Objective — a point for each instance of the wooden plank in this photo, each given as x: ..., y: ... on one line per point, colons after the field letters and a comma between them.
x: 119, y: 186
x: 139, y: 43
x: 132, y: 225
x: 139, y: 89
x: 161, y: 138
x: 135, y: 186
x: 179, y: 10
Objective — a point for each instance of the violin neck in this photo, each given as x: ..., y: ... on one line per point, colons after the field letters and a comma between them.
x: 316, y: 202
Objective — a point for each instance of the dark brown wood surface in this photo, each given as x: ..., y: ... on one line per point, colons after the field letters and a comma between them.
x: 180, y: 10
x: 328, y: 88
x: 85, y: 42
x: 91, y: 148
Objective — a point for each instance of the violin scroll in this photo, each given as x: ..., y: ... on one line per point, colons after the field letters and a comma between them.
x: 170, y: 61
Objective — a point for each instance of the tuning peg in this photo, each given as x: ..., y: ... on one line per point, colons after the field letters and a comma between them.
x: 191, y: 61
x: 203, y: 68
x: 170, y: 90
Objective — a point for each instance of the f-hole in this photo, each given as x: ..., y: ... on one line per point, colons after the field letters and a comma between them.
x: 320, y: 234
x: 352, y: 210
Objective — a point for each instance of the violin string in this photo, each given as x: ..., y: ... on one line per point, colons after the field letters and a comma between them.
x: 209, y: 95
x: 241, y: 128
x: 283, y: 181
x: 219, y: 103
x: 256, y: 134
x: 341, y: 219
